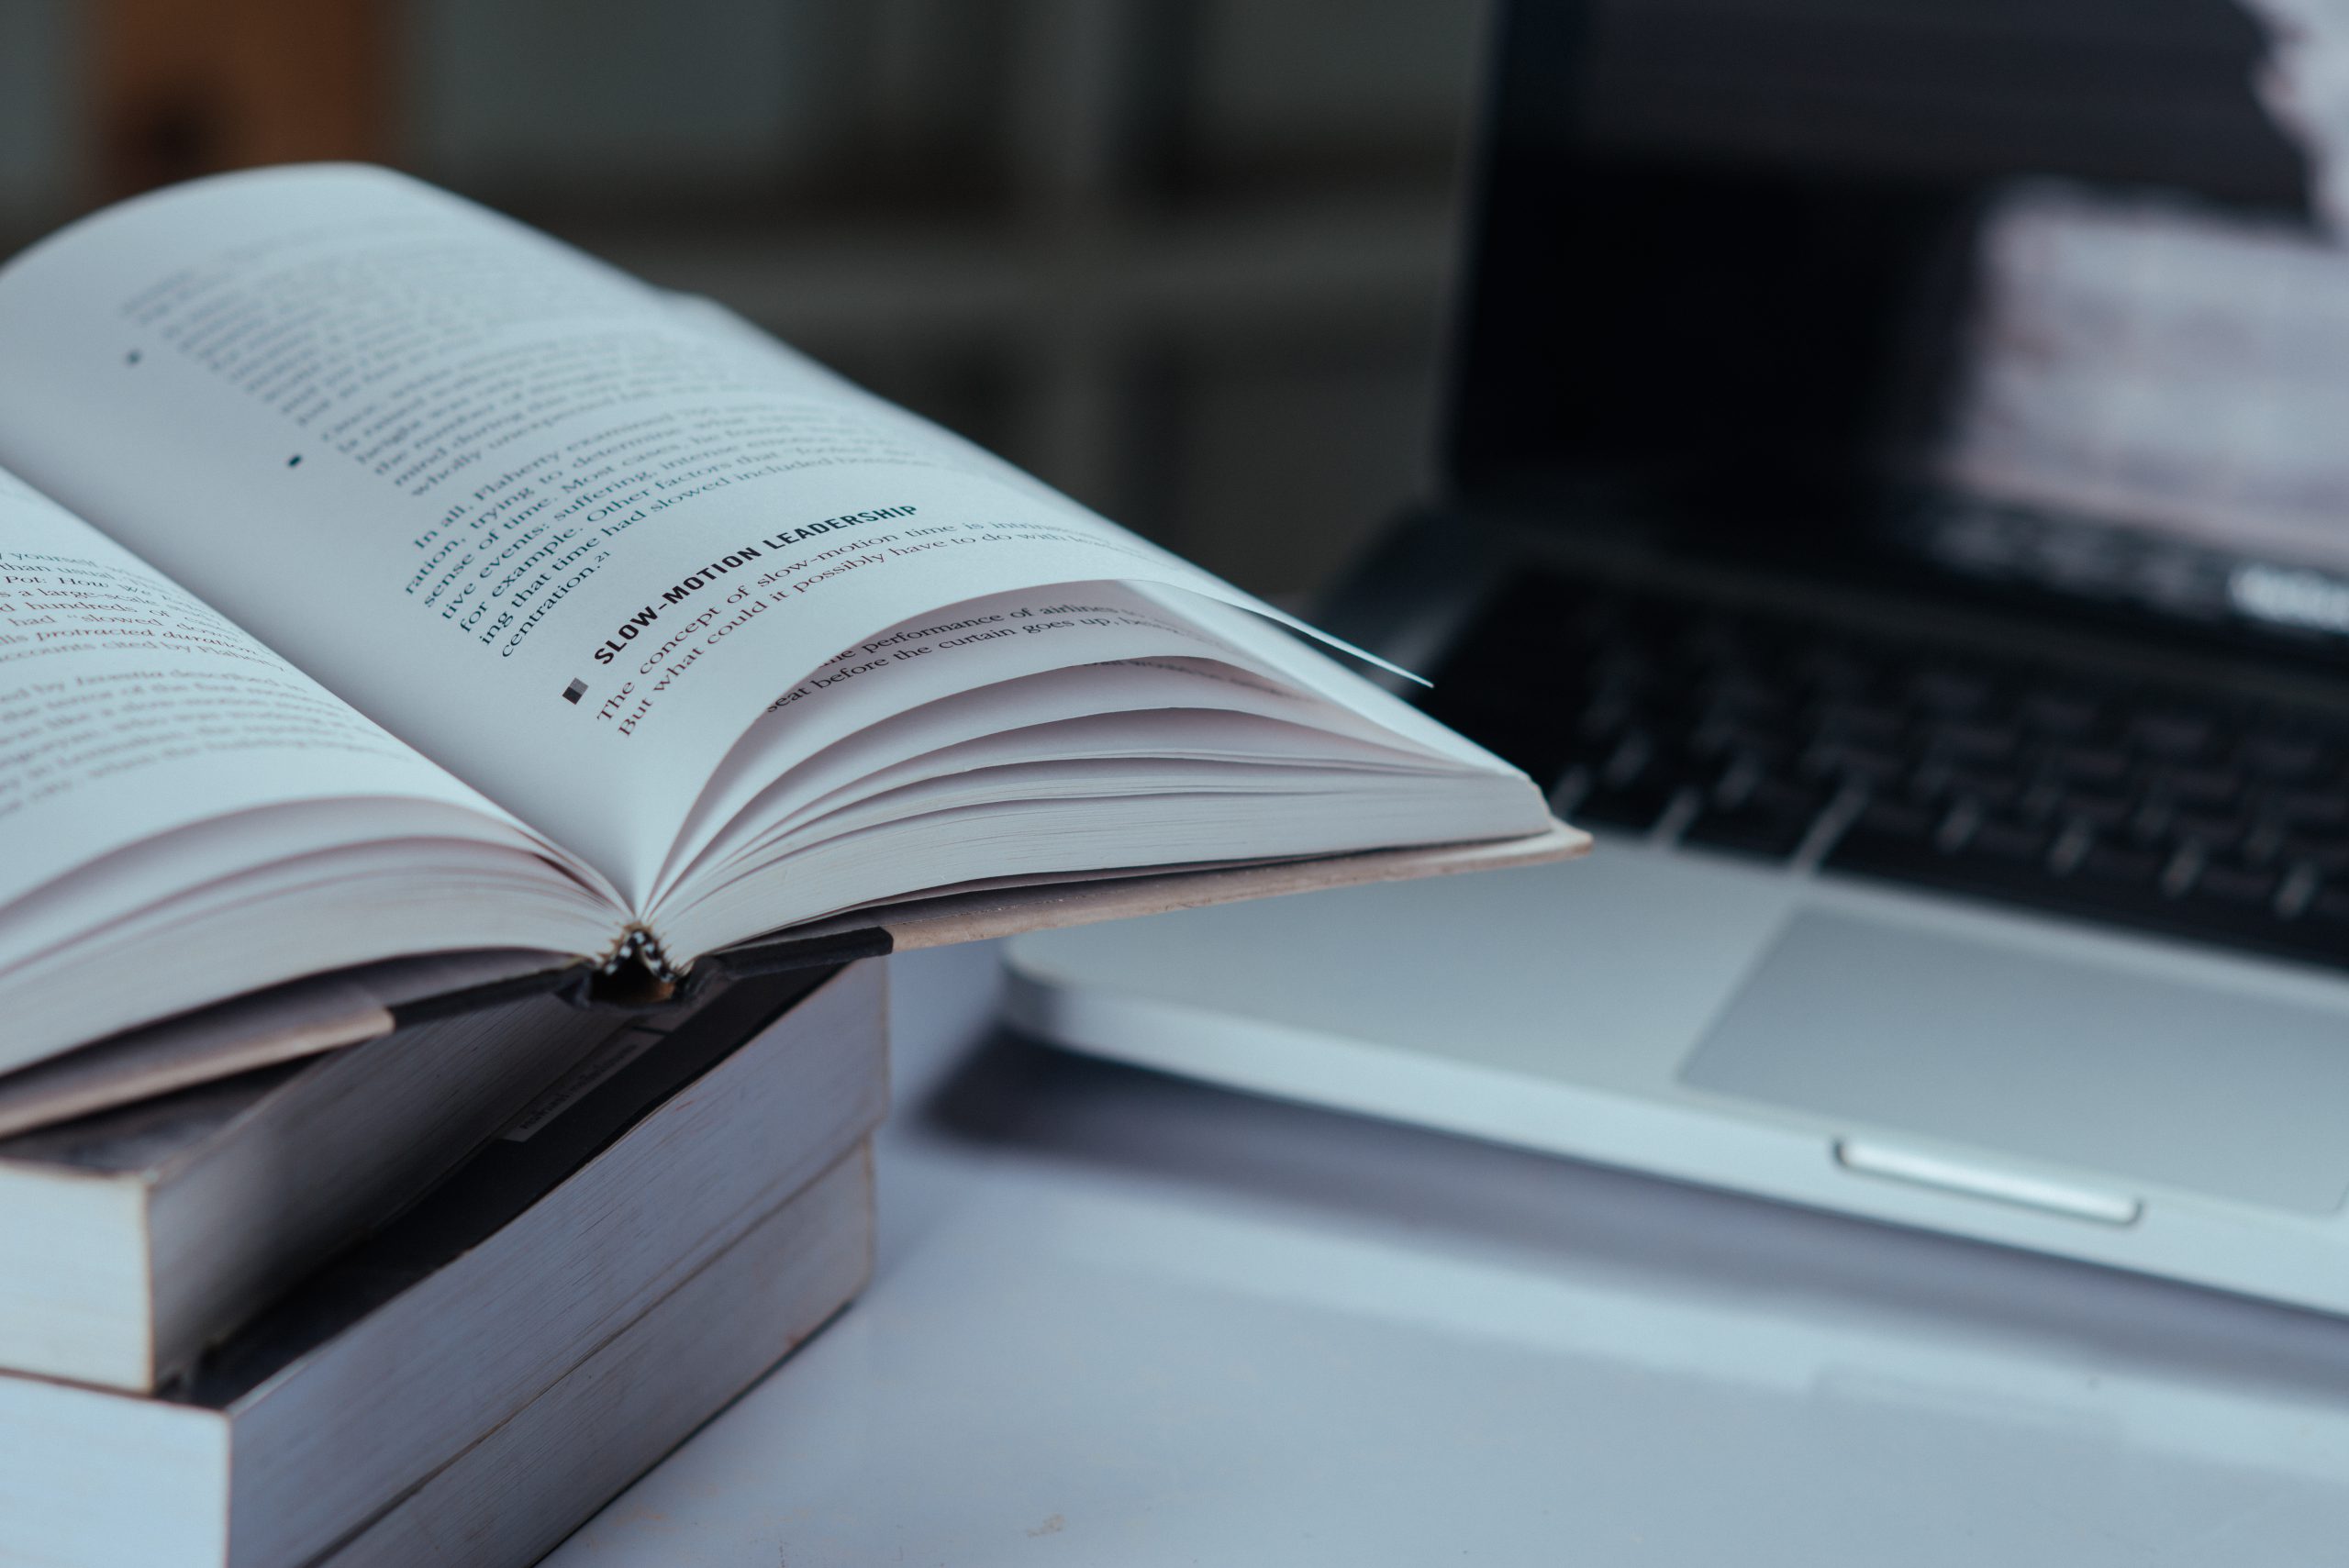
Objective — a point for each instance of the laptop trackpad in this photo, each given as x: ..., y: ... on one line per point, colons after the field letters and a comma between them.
x: 2084, y: 1065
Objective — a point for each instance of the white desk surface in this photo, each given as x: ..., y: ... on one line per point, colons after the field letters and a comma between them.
x: 1123, y: 1319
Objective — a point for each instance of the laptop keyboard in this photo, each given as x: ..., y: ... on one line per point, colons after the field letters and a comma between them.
x: 2166, y: 809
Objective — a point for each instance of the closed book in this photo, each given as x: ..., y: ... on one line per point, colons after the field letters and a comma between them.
x: 138, y: 1235
x: 377, y: 1374
x: 512, y: 1496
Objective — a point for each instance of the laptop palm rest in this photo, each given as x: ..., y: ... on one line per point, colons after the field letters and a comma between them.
x: 2056, y: 1059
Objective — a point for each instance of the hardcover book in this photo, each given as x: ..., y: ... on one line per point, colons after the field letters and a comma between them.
x: 136, y: 1237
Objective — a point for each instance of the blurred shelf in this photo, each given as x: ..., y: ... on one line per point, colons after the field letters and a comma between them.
x: 1299, y: 271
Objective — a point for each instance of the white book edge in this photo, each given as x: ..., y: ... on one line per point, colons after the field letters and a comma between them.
x: 514, y: 1496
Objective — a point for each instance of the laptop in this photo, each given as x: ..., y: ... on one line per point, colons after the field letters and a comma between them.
x: 1895, y: 494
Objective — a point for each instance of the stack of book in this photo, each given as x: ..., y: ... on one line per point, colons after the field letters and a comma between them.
x: 433, y: 1298
x: 465, y: 719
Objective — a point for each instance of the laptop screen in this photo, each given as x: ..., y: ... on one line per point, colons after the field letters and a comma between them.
x: 2046, y: 297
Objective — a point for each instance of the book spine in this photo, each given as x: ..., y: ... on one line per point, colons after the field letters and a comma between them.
x: 636, y: 972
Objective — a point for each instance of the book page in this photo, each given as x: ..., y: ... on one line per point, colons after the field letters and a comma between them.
x: 561, y: 537
x: 898, y: 680
x: 185, y: 815
x: 129, y: 710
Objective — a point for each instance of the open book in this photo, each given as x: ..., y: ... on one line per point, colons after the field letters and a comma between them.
x: 379, y: 578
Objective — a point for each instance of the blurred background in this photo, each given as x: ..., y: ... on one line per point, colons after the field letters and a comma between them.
x: 1182, y: 258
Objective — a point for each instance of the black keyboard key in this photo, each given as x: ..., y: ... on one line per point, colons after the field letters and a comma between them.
x: 2318, y: 942
x: 2323, y: 927
x: 1857, y: 718
x: 1668, y: 756
x: 2262, y: 845
x: 2008, y: 839
x: 2106, y: 812
x: 1641, y: 758
x: 2088, y: 764
x: 2237, y: 886
x: 1634, y: 747
x: 1835, y: 669
x: 1750, y: 830
x: 2327, y: 857
x: 2120, y: 864
x: 1745, y: 700
x: 2306, y: 809
x: 1790, y: 795
x: 1737, y: 737
x: 1636, y: 805
x: 1849, y: 760
x: 2211, y: 829
x: 1984, y: 786
x: 1760, y: 813
x: 1950, y: 689
x: 2070, y: 715
x: 2171, y: 732
x: 1974, y: 742
x: 1622, y: 667
x: 2281, y: 756
x: 1616, y: 714
x: 2201, y: 787
x: 1899, y: 820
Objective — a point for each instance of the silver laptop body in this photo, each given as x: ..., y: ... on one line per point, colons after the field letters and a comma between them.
x: 1892, y: 497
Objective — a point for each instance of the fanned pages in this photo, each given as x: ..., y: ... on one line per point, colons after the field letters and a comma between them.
x: 386, y: 578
